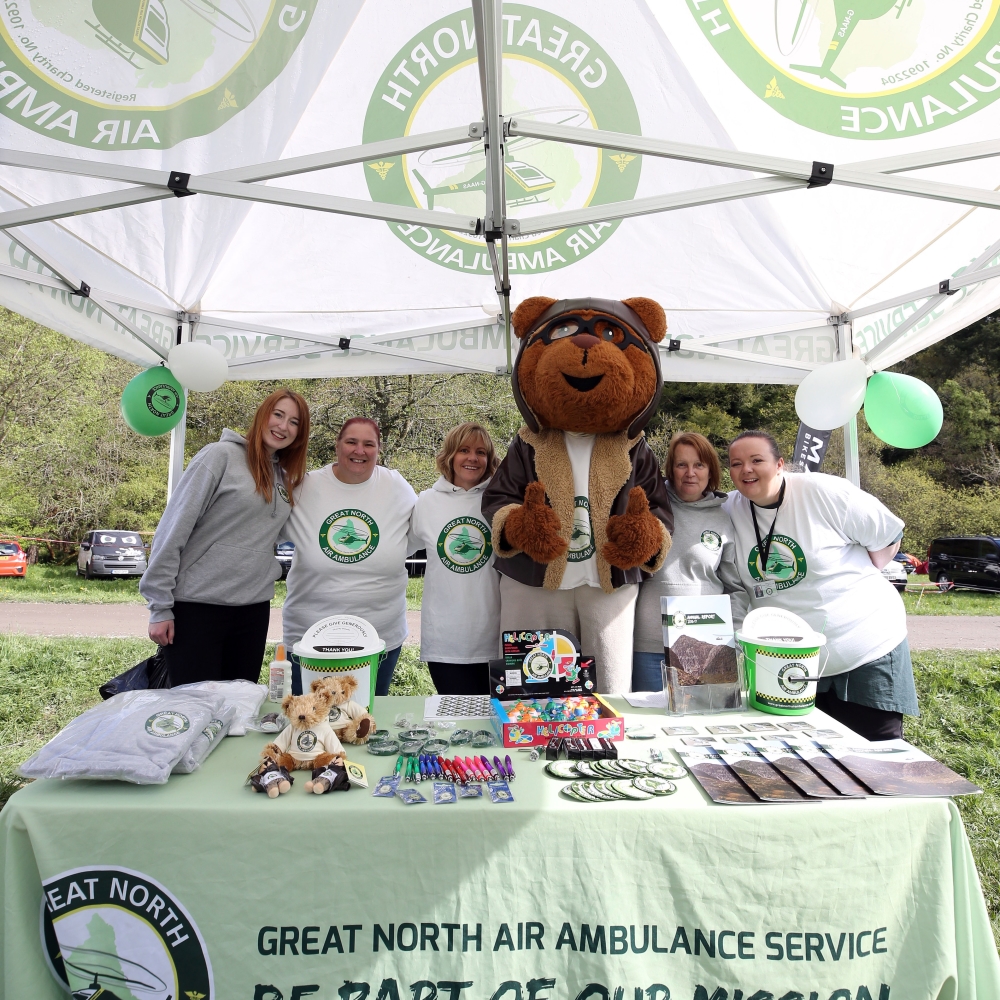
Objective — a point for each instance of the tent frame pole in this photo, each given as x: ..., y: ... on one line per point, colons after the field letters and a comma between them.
x: 852, y: 463
x: 185, y: 332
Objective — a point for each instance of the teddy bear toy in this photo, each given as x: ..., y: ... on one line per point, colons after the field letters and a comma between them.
x: 309, y: 741
x: 348, y: 719
x: 332, y: 778
x: 580, y: 514
x: 272, y: 779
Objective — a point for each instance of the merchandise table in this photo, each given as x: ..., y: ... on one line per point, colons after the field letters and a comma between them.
x: 201, y: 889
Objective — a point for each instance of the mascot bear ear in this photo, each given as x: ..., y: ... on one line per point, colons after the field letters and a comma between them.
x: 524, y: 316
x: 651, y: 313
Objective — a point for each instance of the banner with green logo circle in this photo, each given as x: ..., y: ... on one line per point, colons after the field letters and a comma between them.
x: 348, y: 536
x: 552, y: 72
x: 861, y: 69
x: 464, y: 545
x: 140, y: 74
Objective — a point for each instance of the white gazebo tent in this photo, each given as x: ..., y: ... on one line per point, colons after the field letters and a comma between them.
x: 167, y: 172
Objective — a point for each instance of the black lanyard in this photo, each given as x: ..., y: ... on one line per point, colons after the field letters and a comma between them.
x: 764, y: 547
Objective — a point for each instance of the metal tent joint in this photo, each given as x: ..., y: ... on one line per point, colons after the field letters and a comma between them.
x: 944, y: 287
x: 178, y: 183
x: 344, y: 343
x: 673, y: 345
x: 822, y: 174
x: 83, y: 291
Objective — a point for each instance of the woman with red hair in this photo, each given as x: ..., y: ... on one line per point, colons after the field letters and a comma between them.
x: 212, y: 569
x: 350, y: 528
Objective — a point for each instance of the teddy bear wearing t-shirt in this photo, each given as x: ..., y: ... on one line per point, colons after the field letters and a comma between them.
x: 579, y: 511
x: 308, y: 741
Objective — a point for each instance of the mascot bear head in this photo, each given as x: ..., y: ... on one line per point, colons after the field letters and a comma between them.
x: 588, y: 365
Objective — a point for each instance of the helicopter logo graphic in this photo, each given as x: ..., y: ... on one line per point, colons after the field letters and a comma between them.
x: 464, y: 545
x: 348, y: 536
x: 581, y: 542
x: 163, y: 400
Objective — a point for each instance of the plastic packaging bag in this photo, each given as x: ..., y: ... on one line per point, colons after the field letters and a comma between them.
x: 151, y: 673
x: 136, y: 736
x: 245, y: 695
x: 206, y: 741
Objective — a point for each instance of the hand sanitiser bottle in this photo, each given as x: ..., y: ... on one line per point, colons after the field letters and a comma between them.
x: 279, y: 676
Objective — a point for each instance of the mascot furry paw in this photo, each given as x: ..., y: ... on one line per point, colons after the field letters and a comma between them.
x: 579, y: 512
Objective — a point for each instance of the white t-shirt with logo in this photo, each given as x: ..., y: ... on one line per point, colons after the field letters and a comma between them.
x: 818, y: 565
x: 350, y: 551
x: 581, y: 566
x: 460, y: 616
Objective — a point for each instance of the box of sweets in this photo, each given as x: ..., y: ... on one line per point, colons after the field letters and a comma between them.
x: 543, y: 687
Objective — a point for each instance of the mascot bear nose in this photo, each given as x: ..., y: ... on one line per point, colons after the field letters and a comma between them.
x: 585, y: 341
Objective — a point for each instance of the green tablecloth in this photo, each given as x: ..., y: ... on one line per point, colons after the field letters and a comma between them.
x: 202, y: 881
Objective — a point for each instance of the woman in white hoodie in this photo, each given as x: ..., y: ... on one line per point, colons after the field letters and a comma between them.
x: 460, y: 617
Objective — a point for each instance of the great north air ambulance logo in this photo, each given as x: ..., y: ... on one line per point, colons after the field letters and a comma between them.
x: 115, y: 933
x: 167, y: 724
x: 113, y: 74
x: 464, y: 545
x: 552, y: 72
x: 786, y: 563
x: 163, y: 400
x: 348, y: 536
x: 861, y: 69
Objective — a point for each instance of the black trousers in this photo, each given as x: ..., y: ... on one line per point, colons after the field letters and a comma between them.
x: 872, y: 723
x: 460, y: 678
x: 216, y: 642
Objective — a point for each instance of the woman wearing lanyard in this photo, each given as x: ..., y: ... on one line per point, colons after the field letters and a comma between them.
x: 460, y: 617
x: 349, y: 527
x: 814, y: 545
x: 701, y: 560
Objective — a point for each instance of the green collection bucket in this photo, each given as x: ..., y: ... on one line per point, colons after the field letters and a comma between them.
x: 781, y: 670
x: 341, y: 644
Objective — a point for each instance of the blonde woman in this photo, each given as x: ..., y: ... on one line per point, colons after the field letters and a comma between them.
x: 460, y: 618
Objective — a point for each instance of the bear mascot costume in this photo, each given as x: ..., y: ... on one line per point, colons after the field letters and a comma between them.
x: 579, y: 511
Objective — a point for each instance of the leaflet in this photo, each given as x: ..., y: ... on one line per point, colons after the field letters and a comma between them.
x: 797, y: 771
x: 715, y: 776
x: 828, y: 769
x: 894, y: 767
x: 765, y: 781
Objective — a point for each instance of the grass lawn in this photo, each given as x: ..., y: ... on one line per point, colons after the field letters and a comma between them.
x: 951, y: 602
x: 61, y: 585
x: 46, y: 682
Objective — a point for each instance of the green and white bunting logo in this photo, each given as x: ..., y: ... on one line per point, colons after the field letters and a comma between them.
x: 140, y: 74
x: 167, y: 724
x: 581, y: 541
x: 552, y: 72
x: 348, y: 536
x: 112, y: 932
x: 861, y: 69
x: 464, y: 545
x: 786, y: 563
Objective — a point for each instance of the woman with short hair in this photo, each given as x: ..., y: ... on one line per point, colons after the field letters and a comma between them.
x: 815, y: 545
x: 212, y: 568
x: 702, y: 556
x: 460, y: 617
x: 350, y: 527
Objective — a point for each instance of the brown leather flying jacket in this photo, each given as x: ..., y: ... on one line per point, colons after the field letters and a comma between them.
x: 618, y: 464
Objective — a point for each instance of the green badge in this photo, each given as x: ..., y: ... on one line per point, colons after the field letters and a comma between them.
x: 282, y: 492
x: 464, y: 545
x: 861, y: 69
x: 786, y: 563
x: 167, y: 724
x: 141, y: 74
x: 163, y: 400
x: 581, y: 542
x: 553, y: 73
x: 112, y: 932
x: 711, y: 540
x: 348, y: 536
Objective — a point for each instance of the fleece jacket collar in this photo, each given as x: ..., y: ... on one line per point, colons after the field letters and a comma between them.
x: 443, y: 486
x: 711, y: 499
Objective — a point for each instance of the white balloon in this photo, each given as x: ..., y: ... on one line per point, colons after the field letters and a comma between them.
x: 491, y: 305
x: 829, y: 396
x: 198, y: 366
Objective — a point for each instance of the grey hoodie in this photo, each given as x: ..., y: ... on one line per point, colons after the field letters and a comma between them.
x: 215, y: 541
x: 702, y: 560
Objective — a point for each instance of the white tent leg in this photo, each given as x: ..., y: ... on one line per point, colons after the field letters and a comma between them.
x: 852, y: 465
x: 177, y: 436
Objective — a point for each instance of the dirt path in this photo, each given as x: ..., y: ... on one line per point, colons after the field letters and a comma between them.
x: 114, y: 621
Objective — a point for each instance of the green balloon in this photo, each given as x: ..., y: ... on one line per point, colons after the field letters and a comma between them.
x: 902, y: 411
x: 153, y: 402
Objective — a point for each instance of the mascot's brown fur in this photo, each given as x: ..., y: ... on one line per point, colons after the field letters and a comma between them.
x: 586, y: 366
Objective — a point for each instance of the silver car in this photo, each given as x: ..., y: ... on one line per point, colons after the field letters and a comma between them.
x: 111, y: 553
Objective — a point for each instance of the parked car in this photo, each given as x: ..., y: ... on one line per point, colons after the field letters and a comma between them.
x: 111, y: 553
x: 13, y: 561
x: 969, y: 561
x: 910, y: 563
x: 283, y: 552
x: 895, y: 573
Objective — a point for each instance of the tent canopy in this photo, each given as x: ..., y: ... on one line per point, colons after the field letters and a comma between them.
x: 361, y: 187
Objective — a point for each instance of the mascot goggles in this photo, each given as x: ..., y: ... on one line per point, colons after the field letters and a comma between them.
x: 569, y: 326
